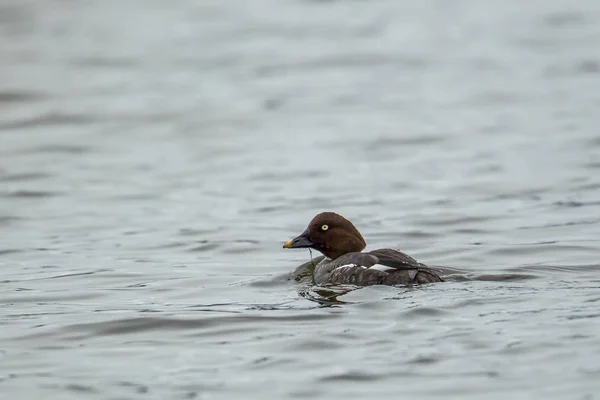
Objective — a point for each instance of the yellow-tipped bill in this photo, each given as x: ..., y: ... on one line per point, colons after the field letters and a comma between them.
x: 301, y: 241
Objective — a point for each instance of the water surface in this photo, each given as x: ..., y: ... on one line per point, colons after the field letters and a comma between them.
x: 155, y: 156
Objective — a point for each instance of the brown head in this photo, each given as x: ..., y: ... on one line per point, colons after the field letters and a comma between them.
x: 331, y: 234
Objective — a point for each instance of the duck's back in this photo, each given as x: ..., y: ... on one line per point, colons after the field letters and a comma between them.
x: 377, y: 267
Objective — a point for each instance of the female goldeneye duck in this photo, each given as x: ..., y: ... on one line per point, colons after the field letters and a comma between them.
x: 345, y: 263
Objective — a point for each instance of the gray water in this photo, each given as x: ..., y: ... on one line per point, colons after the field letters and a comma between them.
x: 155, y: 156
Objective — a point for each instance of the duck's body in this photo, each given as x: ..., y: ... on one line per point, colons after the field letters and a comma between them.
x: 345, y: 263
x: 378, y: 267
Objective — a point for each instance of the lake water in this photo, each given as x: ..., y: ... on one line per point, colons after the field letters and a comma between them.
x: 155, y: 156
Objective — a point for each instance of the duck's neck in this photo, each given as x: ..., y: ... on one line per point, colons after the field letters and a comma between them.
x: 343, y: 245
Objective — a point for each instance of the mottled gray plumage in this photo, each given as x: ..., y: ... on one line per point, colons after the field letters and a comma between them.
x: 356, y: 269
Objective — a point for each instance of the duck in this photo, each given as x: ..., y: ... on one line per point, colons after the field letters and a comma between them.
x: 345, y: 263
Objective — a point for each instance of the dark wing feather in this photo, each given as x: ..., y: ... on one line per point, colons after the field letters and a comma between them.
x: 396, y: 259
x: 359, y: 259
x: 353, y: 268
x: 403, y: 262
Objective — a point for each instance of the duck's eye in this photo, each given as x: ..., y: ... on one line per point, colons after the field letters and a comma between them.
x: 324, y: 227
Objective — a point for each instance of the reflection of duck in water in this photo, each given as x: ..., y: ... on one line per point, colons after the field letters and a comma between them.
x: 345, y: 263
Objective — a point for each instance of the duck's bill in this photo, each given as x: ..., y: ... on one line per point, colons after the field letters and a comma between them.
x: 301, y: 241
